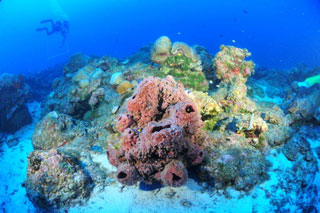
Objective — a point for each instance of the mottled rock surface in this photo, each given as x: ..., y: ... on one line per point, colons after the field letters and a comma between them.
x: 14, y: 94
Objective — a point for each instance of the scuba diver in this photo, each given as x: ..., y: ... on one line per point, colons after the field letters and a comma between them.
x: 56, y: 27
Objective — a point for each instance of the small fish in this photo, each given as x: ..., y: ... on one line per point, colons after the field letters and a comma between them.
x: 125, y: 62
x: 245, y: 11
x: 137, y: 131
x: 179, y: 33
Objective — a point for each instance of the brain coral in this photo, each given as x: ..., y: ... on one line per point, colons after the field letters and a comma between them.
x: 158, y: 129
x: 184, y: 49
x: 161, y: 49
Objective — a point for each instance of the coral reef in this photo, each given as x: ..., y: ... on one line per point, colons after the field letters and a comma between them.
x: 14, y: 93
x: 233, y: 71
x: 155, y: 117
x: 76, y: 62
x: 41, y: 82
x: 56, y: 130
x: 230, y: 65
x: 55, y: 180
x: 242, y: 168
x: 299, y: 179
x: 207, y: 65
x: 229, y: 108
x: 279, y: 129
x: 158, y: 140
x: 304, y: 106
x: 81, y: 91
x: 63, y: 158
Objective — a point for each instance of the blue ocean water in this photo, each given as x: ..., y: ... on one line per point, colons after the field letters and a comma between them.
x: 273, y: 168
x: 279, y: 33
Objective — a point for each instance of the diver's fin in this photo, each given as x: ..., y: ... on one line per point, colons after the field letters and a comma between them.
x: 45, y: 21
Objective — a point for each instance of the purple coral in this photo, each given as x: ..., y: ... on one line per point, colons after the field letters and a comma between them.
x: 158, y: 135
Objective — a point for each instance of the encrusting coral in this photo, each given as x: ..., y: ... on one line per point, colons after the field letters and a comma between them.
x: 230, y: 65
x: 158, y: 141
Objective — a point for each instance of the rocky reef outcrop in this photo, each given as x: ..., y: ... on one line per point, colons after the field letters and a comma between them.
x: 14, y: 94
x: 56, y: 180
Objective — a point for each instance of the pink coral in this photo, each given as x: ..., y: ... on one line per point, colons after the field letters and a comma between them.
x: 160, y: 141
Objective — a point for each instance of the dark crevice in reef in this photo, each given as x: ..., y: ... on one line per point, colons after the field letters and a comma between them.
x: 159, y: 128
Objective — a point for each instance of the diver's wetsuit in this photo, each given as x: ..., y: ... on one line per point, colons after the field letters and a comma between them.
x: 56, y: 27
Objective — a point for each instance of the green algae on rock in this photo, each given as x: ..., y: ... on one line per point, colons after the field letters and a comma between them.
x: 181, y: 62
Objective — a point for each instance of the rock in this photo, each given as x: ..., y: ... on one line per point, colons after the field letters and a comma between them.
x: 14, y: 93
x: 55, y: 180
x: 57, y: 130
x: 75, y: 62
x: 305, y: 105
x: 296, y: 147
x: 242, y: 168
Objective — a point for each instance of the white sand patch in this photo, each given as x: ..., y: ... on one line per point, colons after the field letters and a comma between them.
x: 276, y: 99
x: 189, y: 198
x: 102, y: 159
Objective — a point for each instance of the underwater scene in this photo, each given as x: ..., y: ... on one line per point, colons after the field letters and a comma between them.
x: 139, y: 106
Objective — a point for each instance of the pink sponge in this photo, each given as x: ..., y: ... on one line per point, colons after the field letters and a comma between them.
x: 159, y: 132
x: 152, y: 97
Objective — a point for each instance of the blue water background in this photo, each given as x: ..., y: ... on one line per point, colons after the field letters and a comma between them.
x: 279, y: 33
